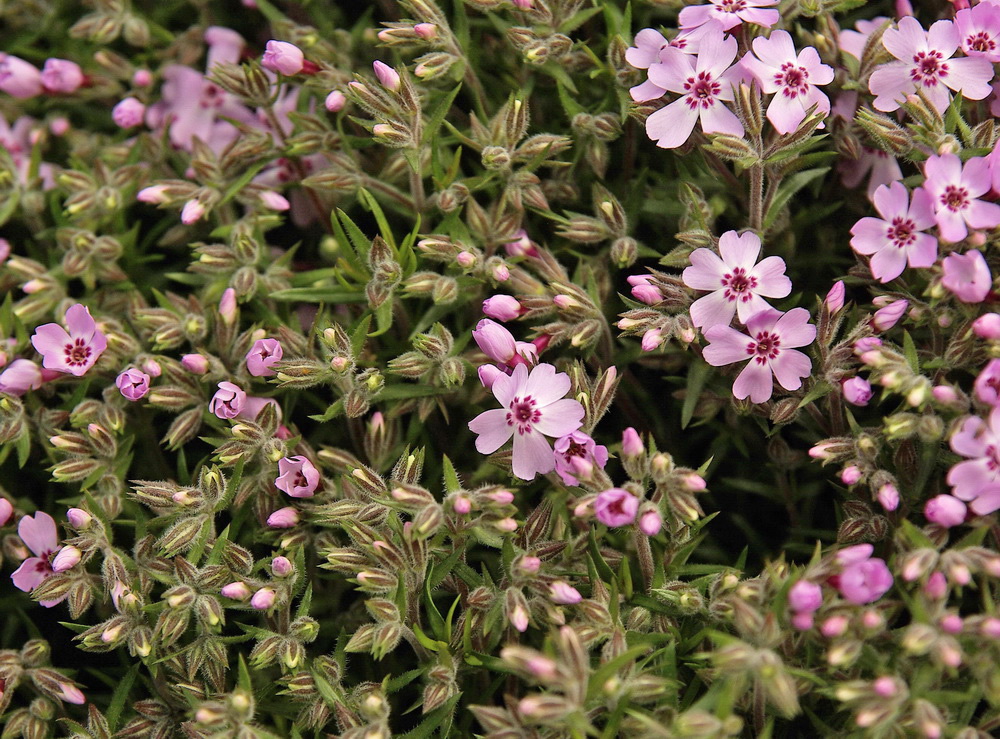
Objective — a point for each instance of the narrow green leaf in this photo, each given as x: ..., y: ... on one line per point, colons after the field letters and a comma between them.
x: 697, y: 376
x: 319, y: 295
x: 788, y: 188
x: 451, y: 481
x: 120, y: 695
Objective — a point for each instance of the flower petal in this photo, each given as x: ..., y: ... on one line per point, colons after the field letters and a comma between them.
x: 754, y: 381
x: 560, y: 418
x: 493, y: 430
x: 727, y: 346
x: 706, y: 270
x: 712, y: 309
x: 671, y: 126
x: 546, y: 385
x: 739, y: 250
x: 790, y: 367
x: 532, y: 455
x: 39, y: 533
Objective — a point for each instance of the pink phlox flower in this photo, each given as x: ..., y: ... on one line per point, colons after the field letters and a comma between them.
x: 770, y: 347
x: 283, y: 57
x: 263, y: 355
x: 895, y: 239
x: 18, y: 78
x: 967, y: 276
x: 926, y: 63
x: 297, y: 477
x: 39, y: 534
x: 532, y: 407
x: 736, y: 280
x: 877, y: 165
x: 979, y: 31
x: 73, y: 352
x: 703, y: 82
x: 977, y: 480
x: 865, y: 581
x: 955, y: 190
x: 19, y: 377
x: 133, y: 384
x: 648, y: 45
x: 616, y: 507
x: 857, y: 391
x: 805, y: 597
x: 945, y: 510
x: 792, y: 79
x: 730, y: 13
x: 987, y: 385
x: 62, y: 75
x: 643, y: 290
x: 853, y: 42
x: 228, y: 401
x: 577, y: 451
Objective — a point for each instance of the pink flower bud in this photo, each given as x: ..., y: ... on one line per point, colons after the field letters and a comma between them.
x: 872, y: 620
x: 227, y: 306
x: 335, y: 101
x: 834, y: 626
x: 522, y: 246
x: 885, y: 687
x: 263, y: 599
x: 631, y: 443
x: 236, y: 591
x: 133, y: 384
x: 228, y: 401
x: 805, y: 596
x: 4, y: 250
x: 502, y: 307
x: 61, y: 75
x: 283, y: 518
x: 128, y: 113
x: 154, y: 195
x: 18, y: 78
x: 888, y: 496
x: 281, y: 566
x: 643, y: 291
x: 887, y: 317
x: 867, y: 344
x: 857, y: 391
x: 6, y: 511
x: 802, y: 621
x: 524, y: 4
x: 944, y: 394
x: 650, y: 523
x: 387, y: 76
x: 529, y: 565
x: 488, y: 374
x: 945, y: 510
x: 850, y: 475
x: 951, y: 623
x: 462, y: 505
x: 495, y: 341
x: 282, y: 57
x: 651, y: 339
x: 142, y: 78
x: 426, y: 31
x: 274, y: 200
x: 990, y: 627
x: 71, y: 694
x: 78, y: 518
x: 564, y: 594
x: 192, y: 211
x: 835, y: 298
x: 152, y: 368
x: 67, y: 558
x: 465, y: 259
x: 501, y: 273
x: 21, y: 376
x: 519, y: 619
x: 987, y: 326
x: 937, y: 586
x: 196, y: 364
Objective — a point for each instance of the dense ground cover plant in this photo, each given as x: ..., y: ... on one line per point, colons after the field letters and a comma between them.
x: 499, y: 367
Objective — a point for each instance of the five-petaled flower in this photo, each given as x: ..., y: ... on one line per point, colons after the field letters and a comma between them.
x: 533, y: 407
x: 977, y: 480
x: 297, y: 477
x: 73, y: 352
x: 895, y: 239
x: 616, y: 507
x: 263, y: 355
x: 39, y: 534
x: 955, y: 191
x: 770, y: 347
x: 730, y: 13
x: 736, y: 280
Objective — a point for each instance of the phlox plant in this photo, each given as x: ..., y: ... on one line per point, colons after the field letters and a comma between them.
x: 504, y: 368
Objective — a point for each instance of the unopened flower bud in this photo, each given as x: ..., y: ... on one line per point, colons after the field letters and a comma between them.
x: 283, y: 518
x: 263, y: 599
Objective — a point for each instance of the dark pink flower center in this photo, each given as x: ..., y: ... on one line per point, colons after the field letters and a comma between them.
x: 765, y: 347
x: 793, y: 80
x: 575, y: 450
x: 928, y: 67
x: 980, y: 41
x: 701, y: 91
x: 299, y: 481
x: 523, y: 413
x: 992, y: 458
x: 77, y: 353
x: 211, y: 96
x: 955, y: 198
x: 901, y: 232
x: 738, y: 285
x: 731, y: 6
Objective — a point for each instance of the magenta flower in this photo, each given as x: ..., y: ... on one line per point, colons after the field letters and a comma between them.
x: 19, y: 377
x: 967, y: 276
x: 133, y: 384
x: 533, y: 406
x: 297, y: 477
x: 955, y: 189
x: 282, y: 57
x: 616, y: 507
x: 857, y: 391
x: 945, y: 510
x: 977, y: 480
x: 770, y: 347
x: 865, y: 581
x: 805, y: 597
x: 128, y: 113
x: 61, y: 75
x: 895, y: 239
x: 502, y: 307
x: 737, y: 281
x: 703, y: 82
x: 576, y: 455
x: 729, y: 14
x: 40, y: 536
x: 228, y: 401
x: 74, y: 352
x: 791, y: 78
x: 263, y: 355
x: 643, y: 290
x: 926, y: 63
x: 979, y: 31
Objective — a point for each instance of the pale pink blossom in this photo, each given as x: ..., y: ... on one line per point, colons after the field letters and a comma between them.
x: 228, y: 306
x: 857, y: 391
x: 274, y: 201
x: 650, y: 522
x: 834, y: 299
x: 196, y: 364
x: 896, y: 239
x: 792, y: 79
x: 228, y: 401
x: 648, y: 45
x: 979, y: 31
x: 335, y: 101
x: 926, y: 64
x: 297, y: 477
x: 643, y: 290
x: 495, y: 341
x: 631, y: 443
x: 61, y: 75
x: 976, y: 481
x: 564, y: 594
x: 19, y: 377
x: 387, y: 76
x: 576, y: 454
x: 730, y: 13
x: 987, y: 384
x: 805, y: 597
x: 945, y: 510
x: 770, y: 346
x: 987, y: 326
x: 888, y: 316
x: 19, y: 78
x: 888, y: 497
x: 502, y: 307
x: 704, y: 83
x: 133, y: 384
x: 73, y: 352
x: 263, y: 599
x: 39, y: 534
x: 66, y: 558
x: 967, y: 276
x: 955, y: 190
x: 533, y: 407
x: 6, y: 511
x: 282, y: 57
x: 236, y: 591
x: 736, y: 280
x: 262, y: 357
x: 283, y: 518
x: 616, y: 507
